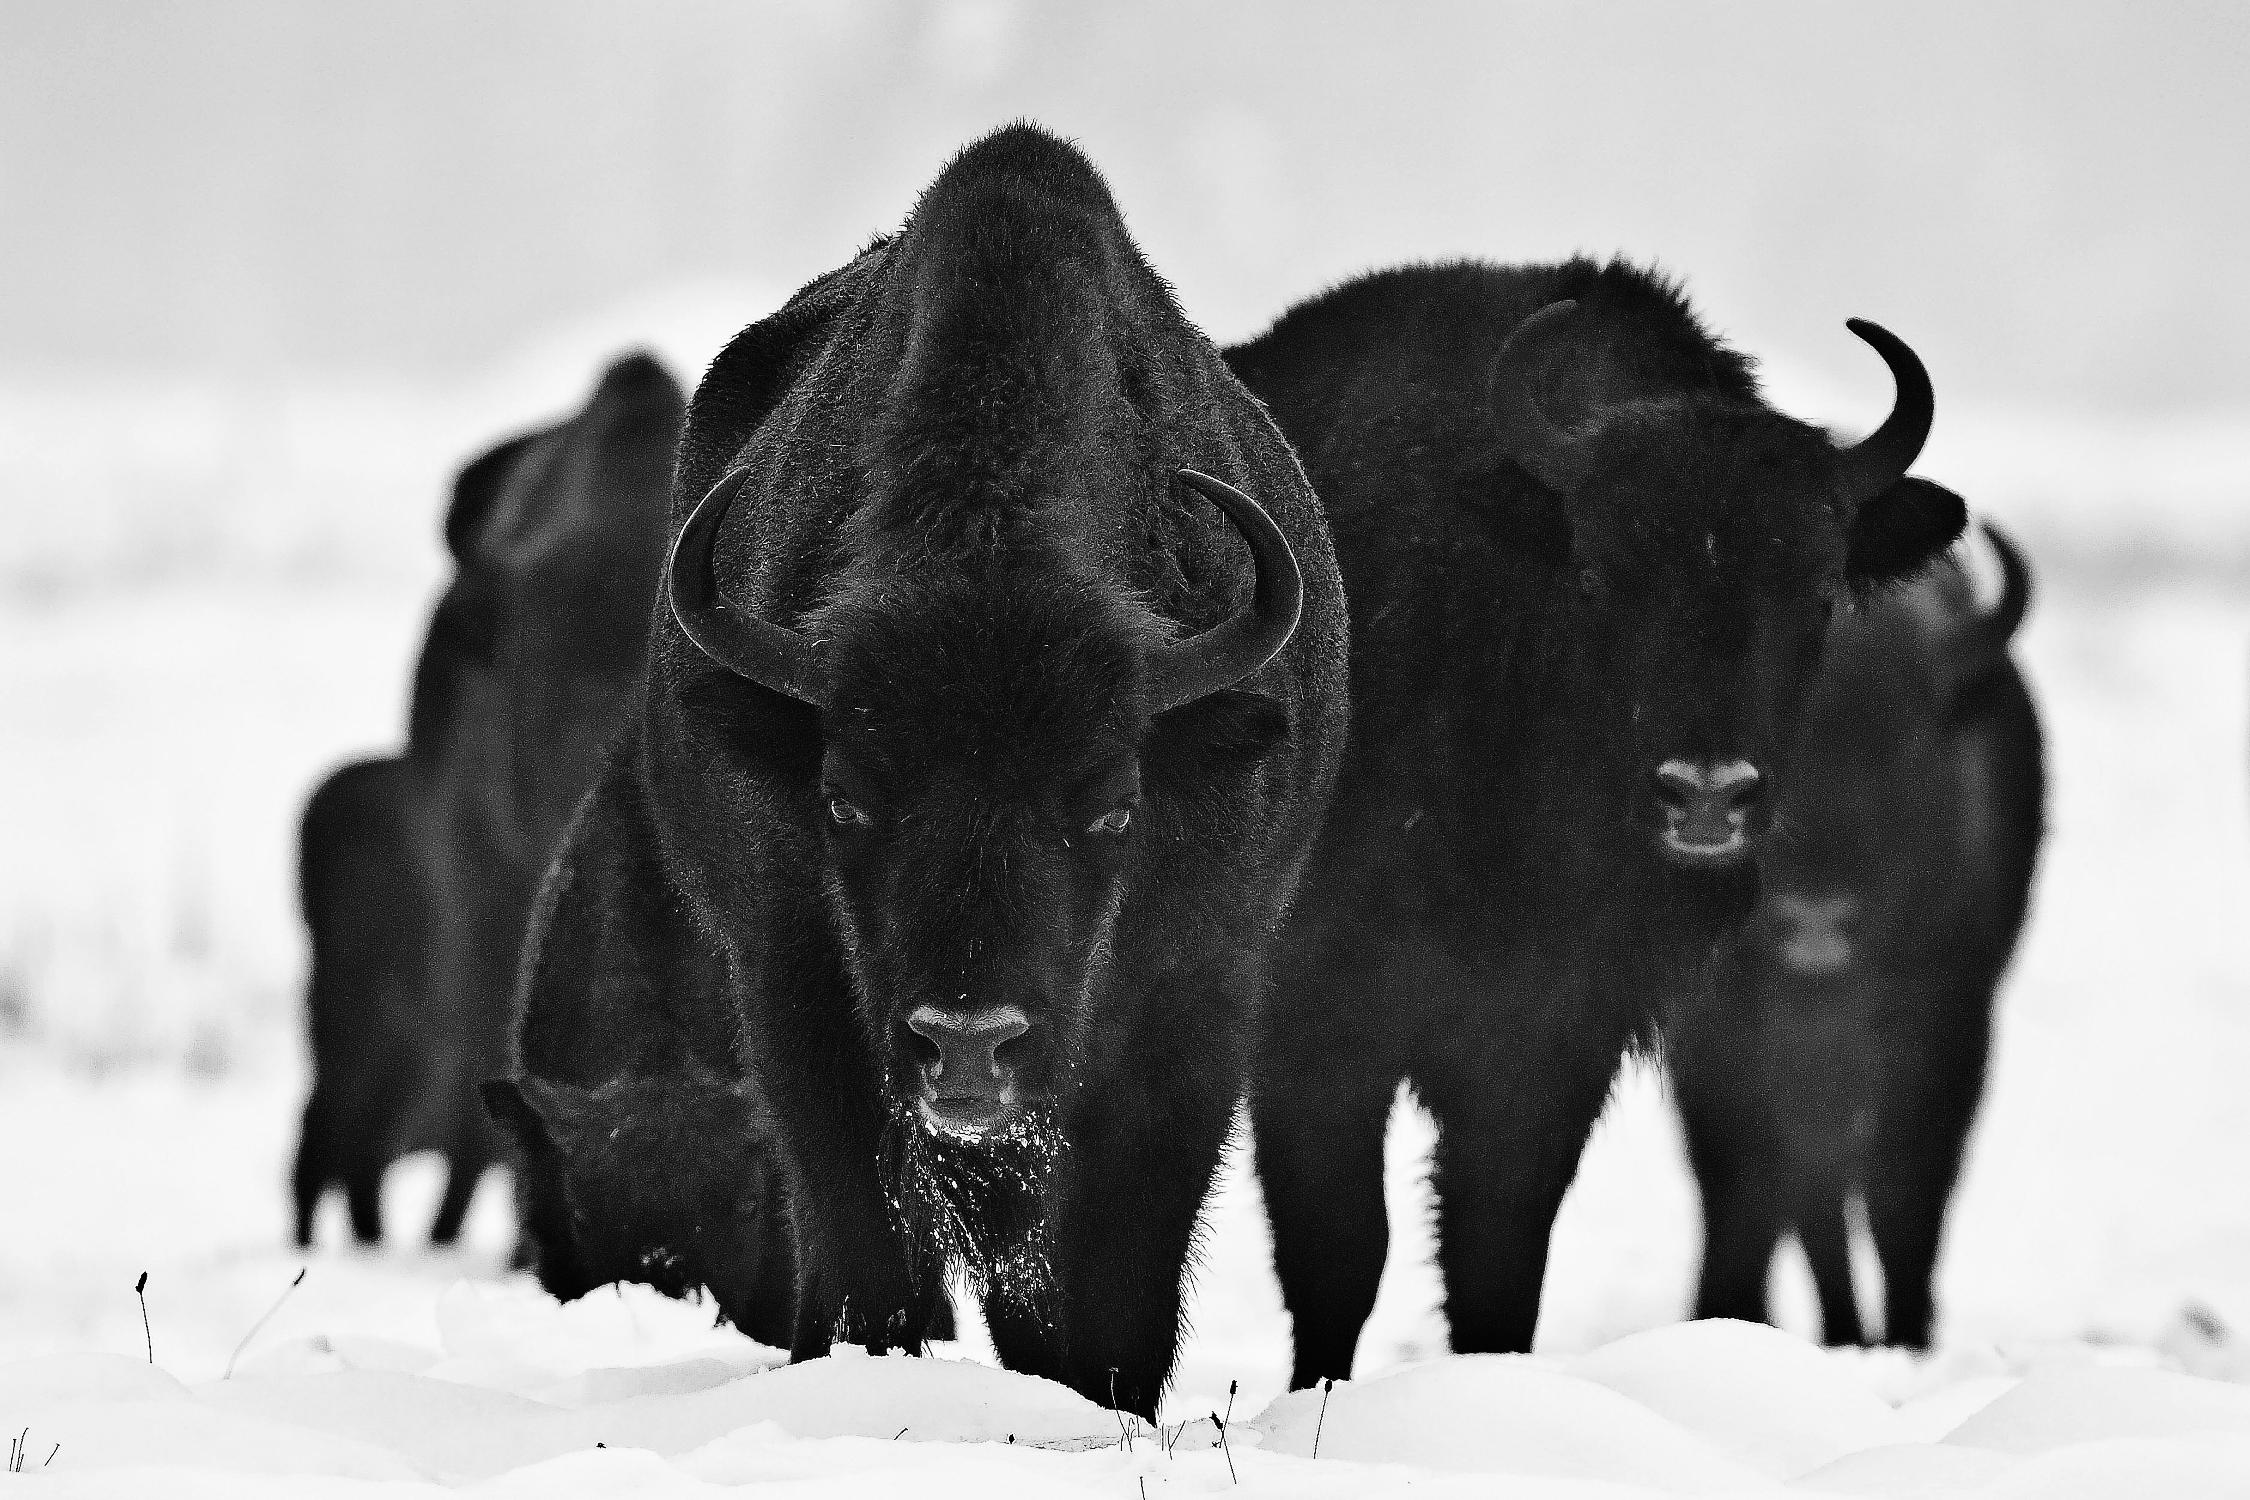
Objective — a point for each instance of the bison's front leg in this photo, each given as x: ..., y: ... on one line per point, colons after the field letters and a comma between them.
x: 854, y: 1281
x: 1143, y: 1157
x: 1512, y: 1119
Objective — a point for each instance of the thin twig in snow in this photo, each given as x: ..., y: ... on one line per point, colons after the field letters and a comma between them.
x: 262, y: 1322
x: 1326, y: 1385
x: 140, y: 1290
x: 1223, y: 1448
x: 1124, y: 1438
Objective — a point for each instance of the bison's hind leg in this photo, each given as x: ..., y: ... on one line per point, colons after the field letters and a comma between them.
x: 316, y: 1162
x: 336, y: 1148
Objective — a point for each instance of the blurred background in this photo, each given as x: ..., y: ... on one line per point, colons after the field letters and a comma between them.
x: 273, y: 269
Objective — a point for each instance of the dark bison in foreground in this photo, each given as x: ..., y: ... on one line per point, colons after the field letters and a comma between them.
x: 1842, y: 1050
x: 1589, y: 569
x: 417, y: 905
x: 981, y: 750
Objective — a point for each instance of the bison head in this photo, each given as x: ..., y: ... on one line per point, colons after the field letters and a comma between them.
x: 607, y: 1203
x: 559, y: 535
x: 1002, y: 741
x: 1888, y: 806
x: 1702, y: 543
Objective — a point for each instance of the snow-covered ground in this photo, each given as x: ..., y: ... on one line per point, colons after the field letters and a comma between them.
x: 162, y: 717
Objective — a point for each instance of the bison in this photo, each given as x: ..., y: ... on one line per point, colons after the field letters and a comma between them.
x: 996, y: 707
x: 558, y: 536
x: 361, y: 895
x: 1589, y: 568
x: 1842, y: 1048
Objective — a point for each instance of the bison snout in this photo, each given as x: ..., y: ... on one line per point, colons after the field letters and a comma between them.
x: 969, y: 1086
x: 1814, y: 932
x: 1707, y: 807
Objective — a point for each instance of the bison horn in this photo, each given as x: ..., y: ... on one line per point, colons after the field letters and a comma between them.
x: 1983, y: 640
x: 1546, y: 452
x: 1183, y: 671
x: 1881, y: 459
x: 768, y: 654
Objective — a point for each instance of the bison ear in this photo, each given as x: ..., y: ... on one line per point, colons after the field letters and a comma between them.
x: 1901, y: 531
x: 777, y: 734
x: 505, y: 1101
x: 1232, y: 727
x: 476, y: 493
x: 543, y: 1114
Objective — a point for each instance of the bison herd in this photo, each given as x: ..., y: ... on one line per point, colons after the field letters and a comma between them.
x: 1047, y: 732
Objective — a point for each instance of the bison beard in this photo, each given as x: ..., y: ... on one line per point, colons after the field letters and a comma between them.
x: 981, y: 1205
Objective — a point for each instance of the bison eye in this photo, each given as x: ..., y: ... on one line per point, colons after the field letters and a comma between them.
x: 1113, y: 821
x: 843, y: 812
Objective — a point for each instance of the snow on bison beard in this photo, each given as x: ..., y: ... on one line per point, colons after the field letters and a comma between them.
x: 983, y: 1203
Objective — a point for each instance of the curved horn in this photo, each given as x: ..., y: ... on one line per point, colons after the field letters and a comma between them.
x: 1881, y: 459
x: 1183, y: 671
x: 767, y: 654
x: 1982, y: 640
x: 1546, y: 452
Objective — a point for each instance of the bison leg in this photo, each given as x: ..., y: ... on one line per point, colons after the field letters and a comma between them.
x: 469, y: 1151
x: 316, y: 1161
x: 1822, y: 1232
x: 752, y: 1275
x: 1929, y: 1102
x: 1908, y: 1187
x: 855, y: 1284
x: 1742, y: 1226
x: 1508, y: 1147
x: 347, y: 1140
x: 1320, y: 1166
x: 1025, y: 1337
x: 1140, y: 1171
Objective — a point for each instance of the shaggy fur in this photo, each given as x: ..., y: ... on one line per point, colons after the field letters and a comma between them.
x: 1489, y: 914
x: 532, y: 654
x: 1843, y: 1049
x: 960, y: 453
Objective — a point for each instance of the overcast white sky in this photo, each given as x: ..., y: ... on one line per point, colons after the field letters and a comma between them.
x: 2048, y: 197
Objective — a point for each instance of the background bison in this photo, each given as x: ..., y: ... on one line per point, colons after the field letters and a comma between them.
x: 1841, y: 1051
x: 417, y: 897
x: 973, y: 774
x: 363, y: 908
x: 1589, y: 570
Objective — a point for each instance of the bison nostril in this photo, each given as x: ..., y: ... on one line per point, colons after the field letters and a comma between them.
x: 1737, y: 783
x: 1685, y: 785
x: 967, y: 1042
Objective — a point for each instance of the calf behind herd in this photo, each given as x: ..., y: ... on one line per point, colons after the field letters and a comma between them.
x: 1047, y: 732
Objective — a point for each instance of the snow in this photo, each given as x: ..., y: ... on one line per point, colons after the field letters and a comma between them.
x: 176, y: 671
